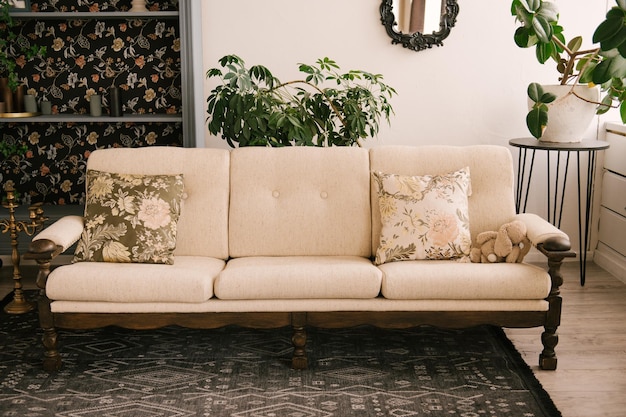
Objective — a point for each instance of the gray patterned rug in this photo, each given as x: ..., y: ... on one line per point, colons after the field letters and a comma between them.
x: 174, y: 372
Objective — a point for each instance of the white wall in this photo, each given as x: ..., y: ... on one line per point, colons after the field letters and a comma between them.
x: 470, y: 91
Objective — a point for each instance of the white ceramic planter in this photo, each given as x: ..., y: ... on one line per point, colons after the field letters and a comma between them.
x: 568, y: 116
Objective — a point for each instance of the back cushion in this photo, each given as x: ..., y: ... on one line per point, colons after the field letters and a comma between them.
x: 492, y: 201
x: 300, y: 201
x: 203, y: 222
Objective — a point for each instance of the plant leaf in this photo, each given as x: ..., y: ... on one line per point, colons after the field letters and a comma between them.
x: 306, y: 68
x: 607, y: 29
x: 531, y: 5
x: 622, y: 111
x: 609, y: 68
x: 544, y: 51
x: 587, y: 75
x: 614, y: 41
x: 536, y: 120
x: 547, y: 98
x: 622, y: 49
x: 549, y: 11
x: 213, y: 72
x: 535, y: 91
x: 575, y: 43
x: 542, y: 28
x: 605, y: 106
x: 522, y: 37
x: 523, y: 15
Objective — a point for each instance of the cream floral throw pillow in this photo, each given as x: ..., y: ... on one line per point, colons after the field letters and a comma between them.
x: 423, y: 217
x: 130, y: 218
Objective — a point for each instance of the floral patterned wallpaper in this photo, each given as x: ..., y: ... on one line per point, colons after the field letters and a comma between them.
x: 84, y: 57
x: 52, y: 170
x: 99, y: 6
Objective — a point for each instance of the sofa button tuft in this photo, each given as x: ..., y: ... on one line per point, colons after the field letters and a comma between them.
x: 275, y: 194
x: 324, y: 194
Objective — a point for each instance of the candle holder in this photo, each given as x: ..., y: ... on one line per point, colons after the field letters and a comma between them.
x: 19, y: 305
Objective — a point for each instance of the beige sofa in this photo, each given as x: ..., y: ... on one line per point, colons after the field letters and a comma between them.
x: 286, y: 237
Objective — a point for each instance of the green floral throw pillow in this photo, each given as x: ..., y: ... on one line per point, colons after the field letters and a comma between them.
x: 130, y: 218
x: 423, y: 217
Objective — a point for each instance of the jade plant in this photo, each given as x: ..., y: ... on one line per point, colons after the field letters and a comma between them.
x: 11, y: 46
x: 327, y: 107
x: 603, y: 65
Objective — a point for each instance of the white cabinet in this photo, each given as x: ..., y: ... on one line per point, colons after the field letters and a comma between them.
x: 611, y: 251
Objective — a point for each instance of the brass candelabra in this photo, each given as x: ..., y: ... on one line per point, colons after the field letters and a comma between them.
x: 19, y: 305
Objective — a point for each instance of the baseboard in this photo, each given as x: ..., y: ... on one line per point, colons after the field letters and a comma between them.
x: 611, y: 261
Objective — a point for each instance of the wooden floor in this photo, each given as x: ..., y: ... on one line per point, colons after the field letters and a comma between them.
x: 591, y: 377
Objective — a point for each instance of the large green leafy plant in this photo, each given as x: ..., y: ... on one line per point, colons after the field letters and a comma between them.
x: 604, y: 65
x: 251, y: 107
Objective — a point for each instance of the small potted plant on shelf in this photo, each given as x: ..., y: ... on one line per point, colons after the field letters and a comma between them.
x: 580, y: 70
x: 251, y: 107
x: 9, y: 49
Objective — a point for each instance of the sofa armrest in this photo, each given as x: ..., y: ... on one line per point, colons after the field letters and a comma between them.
x: 45, y: 246
x: 542, y: 233
x: 59, y: 236
x: 555, y: 245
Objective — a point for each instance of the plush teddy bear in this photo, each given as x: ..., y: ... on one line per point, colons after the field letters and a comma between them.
x: 512, y: 243
x: 484, y: 250
x: 509, y: 244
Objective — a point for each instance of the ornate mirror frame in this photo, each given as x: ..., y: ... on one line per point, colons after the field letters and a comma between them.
x: 418, y: 41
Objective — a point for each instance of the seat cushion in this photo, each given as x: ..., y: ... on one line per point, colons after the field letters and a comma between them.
x: 451, y: 280
x: 298, y: 277
x: 189, y: 280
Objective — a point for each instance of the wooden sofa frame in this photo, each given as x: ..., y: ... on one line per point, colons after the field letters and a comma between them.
x: 556, y: 250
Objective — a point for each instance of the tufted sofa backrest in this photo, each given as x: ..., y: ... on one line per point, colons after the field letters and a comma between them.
x: 299, y: 201
x: 203, y: 224
x: 304, y: 200
x: 492, y: 201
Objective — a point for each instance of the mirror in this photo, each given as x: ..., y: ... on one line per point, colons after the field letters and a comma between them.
x: 418, y: 24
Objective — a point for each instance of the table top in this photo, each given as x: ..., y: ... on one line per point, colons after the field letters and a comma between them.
x: 585, y: 145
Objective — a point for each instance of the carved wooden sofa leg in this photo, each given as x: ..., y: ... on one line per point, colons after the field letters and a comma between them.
x: 550, y: 337
x: 51, y: 359
x: 43, y: 251
x: 298, y: 323
x: 556, y: 251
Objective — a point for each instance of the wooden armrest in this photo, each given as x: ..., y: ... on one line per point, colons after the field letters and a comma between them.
x: 557, y: 244
x: 42, y: 249
x: 556, y: 248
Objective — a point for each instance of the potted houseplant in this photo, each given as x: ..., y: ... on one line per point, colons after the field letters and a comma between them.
x: 9, y: 50
x: 251, y: 107
x: 580, y: 70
